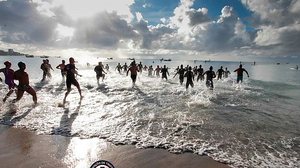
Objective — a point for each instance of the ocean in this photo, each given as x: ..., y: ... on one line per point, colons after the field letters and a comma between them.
x: 253, y: 124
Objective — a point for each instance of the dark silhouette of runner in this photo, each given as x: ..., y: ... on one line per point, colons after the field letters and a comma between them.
x: 99, y: 72
x: 133, y: 72
x: 181, y: 72
x: 23, y: 86
x: 210, y: 74
x: 239, y: 72
x: 189, y: 78
x: 71, y: 80
x: 164, y: 72
x: 220, y: 73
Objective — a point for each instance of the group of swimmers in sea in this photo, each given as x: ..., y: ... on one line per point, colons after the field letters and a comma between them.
x: 69, y: 71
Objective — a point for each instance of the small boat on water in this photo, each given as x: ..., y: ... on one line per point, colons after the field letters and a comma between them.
x: 29, y: 56
x: 44, y: 56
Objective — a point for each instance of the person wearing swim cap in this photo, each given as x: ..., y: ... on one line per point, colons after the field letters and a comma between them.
x: 23, y: 86
x: 70, y: 69
x: 9, y: 78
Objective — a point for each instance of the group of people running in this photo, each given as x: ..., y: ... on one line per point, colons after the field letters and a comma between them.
x: 183, y: 72
x: 69, y: 71
x: 21, y: 75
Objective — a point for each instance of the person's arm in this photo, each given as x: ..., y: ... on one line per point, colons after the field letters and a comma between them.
x: 58, y: 67
x: 127, y: 71
x: 175, y: 74
x: 214, y: 75
x: 235, y: 70
x: 246, y: 72
x: 51, y: 67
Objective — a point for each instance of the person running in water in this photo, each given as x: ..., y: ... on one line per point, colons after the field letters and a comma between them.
x: 9, y: 78
x: 107, y: 67
x: 150, y: 70
x: 239, y: 72
x: 62, y: 68
x: 99, y: 72
x: 226, y: 73
x: 71, y: 80
x: 119, y: 68
x: 157, y: 71
x: 189, y: 78
x: 125, y: 67
x: 23, y: 86
x: 200, y: 73
x: 210, y: 74
x: 165, y: 72
x: 181, y: 72
x: 220, y: 73
x: 133, y: 72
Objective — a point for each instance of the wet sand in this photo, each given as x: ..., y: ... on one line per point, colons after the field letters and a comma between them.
x: 22, y: 148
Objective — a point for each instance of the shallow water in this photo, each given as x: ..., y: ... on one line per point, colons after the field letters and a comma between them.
x: 254, y: 124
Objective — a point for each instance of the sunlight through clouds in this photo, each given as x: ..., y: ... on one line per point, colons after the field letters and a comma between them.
x: 82, y: 9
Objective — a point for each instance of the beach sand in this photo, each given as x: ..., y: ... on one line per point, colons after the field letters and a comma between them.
x: 23, y: 148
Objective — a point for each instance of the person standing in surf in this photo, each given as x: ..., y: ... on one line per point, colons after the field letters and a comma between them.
x: 99, y: 72
x: 62, y: 68
x: 220, y: 73
x: 164, y: 72
x: 189, y: 78
x: 23, y: 86
x: 9, y: 78
x: 71, y: 80
x: 133, y: 72
x: 239, y: 72
x: 226, y: 73
x: 180, y: 71
x: 210, y: 74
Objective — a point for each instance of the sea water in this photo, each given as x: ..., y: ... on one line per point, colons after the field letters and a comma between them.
x: 253, y: 124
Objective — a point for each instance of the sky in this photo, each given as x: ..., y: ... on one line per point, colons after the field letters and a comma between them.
x: 188, y: 29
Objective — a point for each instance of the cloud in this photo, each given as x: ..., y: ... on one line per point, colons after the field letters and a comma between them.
x: 21, y: 22
x: 104, y: 30
x: 278, y: 25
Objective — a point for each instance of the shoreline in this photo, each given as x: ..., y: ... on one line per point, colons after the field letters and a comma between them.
x: 22, y: 148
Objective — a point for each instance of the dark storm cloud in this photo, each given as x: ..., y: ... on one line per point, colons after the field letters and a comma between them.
x: 22, y: 23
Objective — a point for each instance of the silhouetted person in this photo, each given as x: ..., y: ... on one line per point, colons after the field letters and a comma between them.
x: 44, y: 69
x: 71, y: 80
x: 181, y: 72
x: 189, y: 78
x: 150, y: 70
x: 107, y: 67
x: 226, y: 73
x: 157, y: 71
x: 210, y: 74
x: 9, y: 78
x: 125, y: 67
x: 99, y: 72
x: 62, y: 68
x: 200, y: 73
x: 239, y: 72
x: 220, y: 73
x: 164, y: 72
x: 140, y: 66
x: 23, y: 86
x: 133, y: 72
x: 119, y: 67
